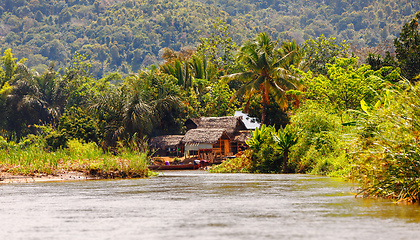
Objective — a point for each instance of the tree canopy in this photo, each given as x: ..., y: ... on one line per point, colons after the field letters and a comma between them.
x: 127, y: 35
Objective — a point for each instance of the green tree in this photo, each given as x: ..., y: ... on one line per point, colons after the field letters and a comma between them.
x: 164, y: 97
x: 181, y: 70
x: 78, y: 81
x: 321, y: 51
x: 146, y: 103
x: 35, y: 99
x: 9, y: 66
x: 275, y: 115
x: 28, y: 99
x: 76, y: 123
x: 346, y: 84
x: 216, y: 101
x: 219, y: 47
x: 265, y: 72
x: 122, y: 113
x: 407, y: 48
x: 192, y: 71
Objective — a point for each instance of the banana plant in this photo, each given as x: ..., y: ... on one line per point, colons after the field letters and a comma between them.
x: 259, y: 136
x: 286, y: 138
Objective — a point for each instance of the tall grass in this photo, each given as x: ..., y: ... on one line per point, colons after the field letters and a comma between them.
x: 386, y: 155
x: 33, y: 158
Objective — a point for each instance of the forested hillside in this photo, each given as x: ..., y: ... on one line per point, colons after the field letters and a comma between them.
x: 127, y: 35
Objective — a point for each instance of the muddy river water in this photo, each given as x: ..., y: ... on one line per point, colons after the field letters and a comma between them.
x: 201, y: 205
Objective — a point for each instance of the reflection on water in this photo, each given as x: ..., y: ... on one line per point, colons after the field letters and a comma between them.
x: 200, y: 205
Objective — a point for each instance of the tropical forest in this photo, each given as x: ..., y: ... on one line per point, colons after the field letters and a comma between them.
x: 85, y: 85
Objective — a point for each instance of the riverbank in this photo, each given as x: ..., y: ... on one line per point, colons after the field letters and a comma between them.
x: 75, y: 170
x: 6, y: 178
x: 79, y: 161
x: 93, y: 169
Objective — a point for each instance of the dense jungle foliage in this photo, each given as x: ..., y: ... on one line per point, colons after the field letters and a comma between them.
x: 126, y: 36
x: 355, y: 120
x: 326, y: 106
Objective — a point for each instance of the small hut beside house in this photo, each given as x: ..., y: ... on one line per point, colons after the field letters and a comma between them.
x: 169, y: 145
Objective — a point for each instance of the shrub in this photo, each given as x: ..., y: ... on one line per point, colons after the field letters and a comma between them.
x: 75, y: 123
x: 241, y: 164
x: 269, y: 149
x: 56, y: 140
x: 320, y: 140
x: 266, y: 156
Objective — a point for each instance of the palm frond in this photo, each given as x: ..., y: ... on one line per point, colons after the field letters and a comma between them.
x: 242, y: 77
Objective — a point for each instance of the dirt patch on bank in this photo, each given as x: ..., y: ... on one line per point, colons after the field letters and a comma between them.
x: 69, y: 176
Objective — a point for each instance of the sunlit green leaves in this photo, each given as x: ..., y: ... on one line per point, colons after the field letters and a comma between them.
x: 345, y: 85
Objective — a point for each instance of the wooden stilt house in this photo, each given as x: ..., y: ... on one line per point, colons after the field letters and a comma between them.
x: 206, y: 143
x: 213, y: 138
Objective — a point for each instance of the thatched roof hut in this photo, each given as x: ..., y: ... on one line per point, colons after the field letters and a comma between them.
x: 232, y: 124
x: 163, y: 142
x: 204, y: 135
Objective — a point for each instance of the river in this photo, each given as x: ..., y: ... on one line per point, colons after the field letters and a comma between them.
x: 201, y: 205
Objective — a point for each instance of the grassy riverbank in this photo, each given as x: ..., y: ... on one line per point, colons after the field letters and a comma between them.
x: 29, y: 158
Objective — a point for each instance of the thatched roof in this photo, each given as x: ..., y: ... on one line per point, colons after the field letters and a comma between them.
x: 242, y: 136
x: 231, y: 124
x: 166, y: 141
x: 204, y: 135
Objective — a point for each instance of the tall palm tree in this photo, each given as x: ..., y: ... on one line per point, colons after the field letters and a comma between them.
x: 267, y: 71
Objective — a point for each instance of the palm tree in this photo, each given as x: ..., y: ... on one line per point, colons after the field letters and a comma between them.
x: 190, y: 69
x: 34, y: 99
x: 267, y: 71
x: 181, y: 70
x: 163, y: 96
x: 124, y: 112
x: 137, y: 106
x: 296, y: 58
